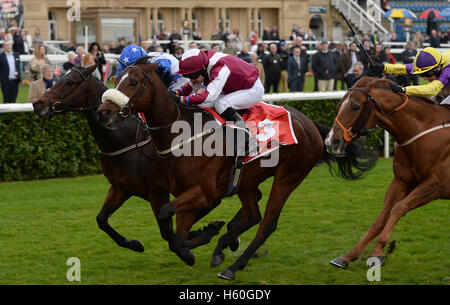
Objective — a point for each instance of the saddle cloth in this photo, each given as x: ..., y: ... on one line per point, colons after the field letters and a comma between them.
x: 271, y: 125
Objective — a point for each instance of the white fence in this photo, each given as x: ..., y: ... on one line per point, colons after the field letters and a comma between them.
x: 268, y: 98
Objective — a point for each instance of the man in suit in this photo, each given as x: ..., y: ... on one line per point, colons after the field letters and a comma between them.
x: 296, y: 70
x: 325, y: 66
x: 9, y: 73
x: 39, y: 86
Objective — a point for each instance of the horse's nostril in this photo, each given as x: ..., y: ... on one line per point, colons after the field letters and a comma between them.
x: 335, y: 142
x: 38, y: 104
x: 105, y: 112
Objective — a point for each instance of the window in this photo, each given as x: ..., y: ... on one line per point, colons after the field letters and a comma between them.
x: 115, y: 29
x: 80, y: 31
x: 52, y: 27
x: 159, y: 23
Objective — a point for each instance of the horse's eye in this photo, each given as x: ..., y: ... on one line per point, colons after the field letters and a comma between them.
x: 70, y: 83
x: 134, y: 83
x: 356, y: 107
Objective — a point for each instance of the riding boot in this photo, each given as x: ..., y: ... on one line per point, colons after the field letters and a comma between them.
x: 251, y: 143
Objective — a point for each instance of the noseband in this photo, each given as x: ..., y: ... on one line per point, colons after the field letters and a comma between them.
x: 351, y: 133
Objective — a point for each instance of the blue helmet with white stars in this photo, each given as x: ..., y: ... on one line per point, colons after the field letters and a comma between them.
x: 129, y: 55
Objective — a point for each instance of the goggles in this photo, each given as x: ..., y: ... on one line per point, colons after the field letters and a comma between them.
x: 194, y: 75
x: 432, y: 72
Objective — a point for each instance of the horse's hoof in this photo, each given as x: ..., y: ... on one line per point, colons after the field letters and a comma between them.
x: 234, y: 245
x: 187, y: 256
x: 216, y: 225
x: 217, y: 260
x: 340, y: 263
x: 227, y: 274
x: 136, y: 245
x: 382, y: 259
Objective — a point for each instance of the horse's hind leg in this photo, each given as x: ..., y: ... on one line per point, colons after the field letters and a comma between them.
x: 425, y: 192
x: 115, y: 198
x: 396, y: 192
x: 246, y: 218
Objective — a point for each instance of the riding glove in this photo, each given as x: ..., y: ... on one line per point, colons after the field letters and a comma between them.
x: 375, y: 69
x: 396, y: 88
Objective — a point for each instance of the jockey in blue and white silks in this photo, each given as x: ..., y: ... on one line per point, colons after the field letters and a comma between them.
x: 167, y: 64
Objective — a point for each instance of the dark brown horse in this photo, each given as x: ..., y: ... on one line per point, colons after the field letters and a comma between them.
x: 198, y: 181
x: 421, y: 158
x: 128, y: 157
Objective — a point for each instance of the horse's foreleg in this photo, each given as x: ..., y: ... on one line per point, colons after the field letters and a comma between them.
x: 186, y: 206
x: 425, y: 192
x: 395, y: 192
x: 115, y: 198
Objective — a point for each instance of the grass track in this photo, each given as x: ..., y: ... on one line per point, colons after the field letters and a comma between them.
x: 43, y: 223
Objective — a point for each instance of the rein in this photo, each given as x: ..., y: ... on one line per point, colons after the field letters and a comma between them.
x: 350, y: 133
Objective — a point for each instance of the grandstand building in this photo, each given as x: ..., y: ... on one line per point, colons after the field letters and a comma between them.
x: 110, y: 20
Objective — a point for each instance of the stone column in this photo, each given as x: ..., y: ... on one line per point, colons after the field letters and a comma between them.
x: 155, y: 20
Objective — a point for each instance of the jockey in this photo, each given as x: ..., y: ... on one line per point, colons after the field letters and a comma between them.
x: 229, y: 83
x: 429, y: 63
x: 167, y: 64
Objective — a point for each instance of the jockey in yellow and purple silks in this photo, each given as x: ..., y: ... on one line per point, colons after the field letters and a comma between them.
x: 430, y: 64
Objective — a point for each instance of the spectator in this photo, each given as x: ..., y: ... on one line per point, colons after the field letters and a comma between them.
x: 364, y: 58
x: 196, y: 35
x: 274, y: 35
x: 153, y: 46
x: 100, y: 60
x: 80, y: 55
x: 226, y: 35
x: 254, y: 61
x: 309, y: 35
x: 120, y: 47
x: 299, y: 43
x: 42, y: 84
x: 379, y: 55
x: 216, y: 34
x: 145, y: 45
x: 294, y: 35
x: 29, y: 40
x: 69, y: 64
x: 37, y: 61
x: 244, y: 52
x: 390, y: 56
x: 357, y: 73
x: 193, y: 45
x: 434, y: 39
x: 69, y: 47
x: 272, y: 68
x: 418, y: 40
x: 9, y: 73
x: 325, y: 67
x: 333, y: 50
x: 407, y: 57
x: 173, y: 45
x: 18, y: 42
x: 284, y: 55
x: 261, y: 52
x: 253, y: 37
x: 174, y: 35
x: 266, y: 33
x: 431, y: 23
x: 236, y: 40
x: 215, y: 47
x: 37, y: 38
x: 89, y: 60
x: 297, y: 68
x: 178, y: 52
x: 229, y: 48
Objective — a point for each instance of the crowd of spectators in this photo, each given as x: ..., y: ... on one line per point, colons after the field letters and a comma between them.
x: 283, y: 65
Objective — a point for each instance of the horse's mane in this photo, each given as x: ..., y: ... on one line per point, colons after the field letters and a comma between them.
x: 383, y: 83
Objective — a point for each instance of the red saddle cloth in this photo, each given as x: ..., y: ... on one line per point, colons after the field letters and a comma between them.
x: 271, y: 125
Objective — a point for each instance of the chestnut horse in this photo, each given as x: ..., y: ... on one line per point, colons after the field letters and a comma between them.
x: 421, y: 157
x: 128, y: 157
x: 198, y: 181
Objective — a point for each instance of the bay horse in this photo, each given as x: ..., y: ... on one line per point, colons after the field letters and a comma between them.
x: 128, y: 156
x: 421, y: 161
x: 198, y: 181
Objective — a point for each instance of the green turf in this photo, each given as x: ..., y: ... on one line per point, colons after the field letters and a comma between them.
x: 43, y: 223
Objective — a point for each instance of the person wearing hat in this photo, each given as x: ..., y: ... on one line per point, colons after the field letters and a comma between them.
x: 429, y: 63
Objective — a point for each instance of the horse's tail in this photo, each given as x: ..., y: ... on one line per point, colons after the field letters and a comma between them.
x: 358, y: 158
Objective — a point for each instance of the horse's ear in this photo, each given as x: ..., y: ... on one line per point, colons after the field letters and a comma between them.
x: 89, y: 70
x: 150, y: 67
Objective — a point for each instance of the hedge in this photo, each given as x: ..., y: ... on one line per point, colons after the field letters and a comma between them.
x: 32, y: 148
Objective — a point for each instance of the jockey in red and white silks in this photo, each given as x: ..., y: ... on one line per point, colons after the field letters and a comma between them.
x: 229, y: 81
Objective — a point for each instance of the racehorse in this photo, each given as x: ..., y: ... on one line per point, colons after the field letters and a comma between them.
x: 198, y: 181
x: 128, y: 157
x: 421, y: 158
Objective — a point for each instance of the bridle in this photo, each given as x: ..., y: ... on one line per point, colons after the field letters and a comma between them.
x: 59, y: 106
x: 351, y: 133
x: 130, y: 105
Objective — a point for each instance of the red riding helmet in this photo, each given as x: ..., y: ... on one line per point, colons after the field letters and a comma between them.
x: 192, y: 61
